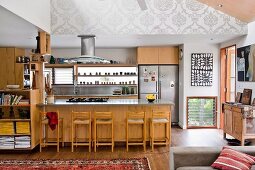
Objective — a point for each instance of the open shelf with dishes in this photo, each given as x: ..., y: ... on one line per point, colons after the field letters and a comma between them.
x: 18, y: 119
x: 91, y: 80
x: 114, y: 76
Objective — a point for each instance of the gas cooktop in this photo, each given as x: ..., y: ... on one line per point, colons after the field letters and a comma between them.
x: 87, y: 100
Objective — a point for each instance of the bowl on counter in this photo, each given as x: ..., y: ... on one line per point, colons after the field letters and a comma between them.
x: 150, y: 100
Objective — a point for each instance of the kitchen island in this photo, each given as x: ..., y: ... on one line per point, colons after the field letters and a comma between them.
x: 119, y: 108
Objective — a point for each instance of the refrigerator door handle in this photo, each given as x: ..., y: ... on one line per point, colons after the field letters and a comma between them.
x: 156, y: 86
x: 159, y: 89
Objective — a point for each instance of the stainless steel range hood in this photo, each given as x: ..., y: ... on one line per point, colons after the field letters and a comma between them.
x: 87, y: 45
x: 88, y: 51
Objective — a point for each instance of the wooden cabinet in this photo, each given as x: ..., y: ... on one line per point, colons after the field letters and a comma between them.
x: 10, y: 71
x: 147, y: 55
x: 157, y: 55
x: 236, y: 125
x: 228, y: 120
x: 23, y: 124
x: 45, y: 46
x: 168, y: 55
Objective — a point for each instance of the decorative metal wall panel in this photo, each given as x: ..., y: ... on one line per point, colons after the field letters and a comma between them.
x: 201, y: 69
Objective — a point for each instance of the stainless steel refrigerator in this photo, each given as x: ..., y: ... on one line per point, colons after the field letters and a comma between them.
x: 161, y: 80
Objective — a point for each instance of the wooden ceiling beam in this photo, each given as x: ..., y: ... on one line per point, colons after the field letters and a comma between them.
x: 240, y: 9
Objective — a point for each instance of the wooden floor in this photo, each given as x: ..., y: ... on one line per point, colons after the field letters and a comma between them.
x: 159, y: 159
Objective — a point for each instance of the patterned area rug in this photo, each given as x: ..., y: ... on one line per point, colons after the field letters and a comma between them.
x: 80, y: 164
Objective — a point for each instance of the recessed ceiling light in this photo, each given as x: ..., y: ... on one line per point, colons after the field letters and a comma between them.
x: 220, y: 5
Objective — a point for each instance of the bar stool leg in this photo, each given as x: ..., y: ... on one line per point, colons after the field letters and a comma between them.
x: 95, y: 137
x: 75, y: 129
x: 89, y: 136
x: 127, y: 130
x: 46, y: 127
x: 58, y: 137
x: 167, y: 133
x: 152, y: 137
x: 41, y: 136
x: 112, y: 137
x: 166, y: 129
x: 72, y: 135
x: 144, y: 137
x: 63, y: 143
x: 150, y: 134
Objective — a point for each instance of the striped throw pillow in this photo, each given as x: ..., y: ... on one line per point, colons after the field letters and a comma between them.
x: 230, y: 159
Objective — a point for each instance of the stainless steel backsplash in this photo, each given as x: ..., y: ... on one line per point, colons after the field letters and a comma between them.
x: 84, y: 90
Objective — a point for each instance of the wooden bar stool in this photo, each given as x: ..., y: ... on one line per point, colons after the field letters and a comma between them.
x: 157, y: 119
x: 136, y: 118
x: 103, y: 118
x: 44, y: 124
x: 81, y: 118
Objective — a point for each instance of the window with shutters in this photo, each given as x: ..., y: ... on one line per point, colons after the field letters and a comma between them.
x: 201, y: 112
x: 61, y: 76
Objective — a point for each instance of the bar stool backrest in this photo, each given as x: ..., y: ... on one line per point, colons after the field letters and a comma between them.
x: 135, y: 115
x: 103, y: 115
x: 81, y: 115
x: 161, y: 115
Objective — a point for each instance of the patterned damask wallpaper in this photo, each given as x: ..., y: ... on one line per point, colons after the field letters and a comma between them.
x: 73, y: 17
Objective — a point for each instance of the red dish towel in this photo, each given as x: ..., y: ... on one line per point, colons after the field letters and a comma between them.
x: 53, y: 119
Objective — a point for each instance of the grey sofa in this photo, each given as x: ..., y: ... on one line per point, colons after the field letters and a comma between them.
x: 200, y: 158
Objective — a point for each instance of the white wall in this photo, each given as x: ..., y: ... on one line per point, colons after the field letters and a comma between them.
x: 241, y: 42
x: 36, y: 12
x: 186, y: 90
x: 124, y: 55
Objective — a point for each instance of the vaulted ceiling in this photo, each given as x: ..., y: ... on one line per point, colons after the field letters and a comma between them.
x: 122, y: 23
x: 243, y: 10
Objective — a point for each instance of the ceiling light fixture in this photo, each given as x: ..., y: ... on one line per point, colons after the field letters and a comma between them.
x: 220, y: 5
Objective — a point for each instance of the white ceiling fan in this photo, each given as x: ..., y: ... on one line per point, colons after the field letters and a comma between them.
x: 142, y: 4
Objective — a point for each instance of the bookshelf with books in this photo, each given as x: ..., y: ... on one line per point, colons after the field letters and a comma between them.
x: 19, y: 119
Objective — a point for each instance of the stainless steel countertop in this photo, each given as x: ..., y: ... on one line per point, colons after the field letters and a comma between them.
x: 62, y: 102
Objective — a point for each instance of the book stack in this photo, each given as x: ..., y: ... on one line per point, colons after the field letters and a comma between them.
x: 23, y: 102
x: 22, y: 128
x: 22, y: 142
x: 6, y: 142
x: 9, y: 99
x: 7, y: 128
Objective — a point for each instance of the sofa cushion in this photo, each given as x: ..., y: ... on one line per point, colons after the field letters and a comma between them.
x: 195, y: 168
x: 232, y: 159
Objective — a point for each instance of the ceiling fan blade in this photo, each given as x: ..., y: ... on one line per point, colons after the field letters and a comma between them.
x: 142, y: 4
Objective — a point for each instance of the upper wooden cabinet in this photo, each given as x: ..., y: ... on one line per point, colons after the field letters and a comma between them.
x: 10, y: 72
x: 157, y: 55
x: 45, y: 46
x: 168, y: 55
x: 147, y: 55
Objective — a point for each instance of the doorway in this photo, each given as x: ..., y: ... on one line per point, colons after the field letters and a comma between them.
x: 227, y: 77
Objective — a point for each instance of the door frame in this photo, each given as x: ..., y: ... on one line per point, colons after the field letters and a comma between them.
x: 225, y: 64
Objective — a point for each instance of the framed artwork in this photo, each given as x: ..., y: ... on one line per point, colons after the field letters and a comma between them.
x: 246, y: 97
x: 238, y: 97
x: 245, y: 63
x: 201, y: 69
x: 253, y: 102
